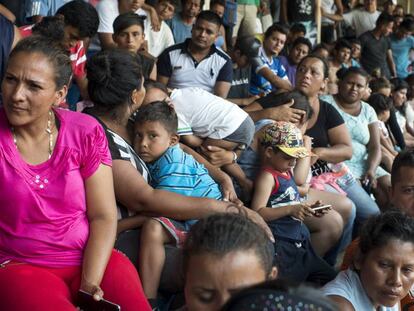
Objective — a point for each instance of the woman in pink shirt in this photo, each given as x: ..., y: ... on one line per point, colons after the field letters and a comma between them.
x: 58, y: 223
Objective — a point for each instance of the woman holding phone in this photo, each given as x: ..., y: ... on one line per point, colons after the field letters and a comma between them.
x: 57, y: 201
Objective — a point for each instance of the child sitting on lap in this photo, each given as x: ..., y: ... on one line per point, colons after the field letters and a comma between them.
x: 156, y: 142
x: 276, y: 199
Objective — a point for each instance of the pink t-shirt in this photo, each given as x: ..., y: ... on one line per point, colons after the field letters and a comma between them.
x: 43, y: 207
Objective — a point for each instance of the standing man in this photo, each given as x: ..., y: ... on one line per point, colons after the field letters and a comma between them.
x: 363, y: 19
x: 376, y: 47
x: 197, y: 62
x: 402, y: 41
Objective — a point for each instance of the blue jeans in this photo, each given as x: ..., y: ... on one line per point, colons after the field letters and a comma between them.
x: 365, y: 205
x: 346, y: 237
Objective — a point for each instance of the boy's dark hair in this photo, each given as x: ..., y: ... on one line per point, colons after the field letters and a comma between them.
x: 399, y: 84
x: 275, y: 28
x: 324, y: 63
x: 53, y: 51
x: 379, y: 229
x: 184, y: 1
x: 379, y: 83
x: 404, y: 159
x: 380, y: 102
x: 277, y: 99
x: 384, y: 19
x: 343, y: 73
x: 126, y: 20
x: 210, y: 17
x: 218, y: 2
x: 172, y: 2
x: 304, y: 41
x: 247, y: 45
x: 80, y: 15
x: 158, y: 111
x: 152, y: 84
x: 407, y: 24
x: 341, y: 44
x: 222, y: 234
x: 113, y: 75
x: 355, y: 41
x: 320, y: 46
x: 297, y: 27
x: 52, y: 27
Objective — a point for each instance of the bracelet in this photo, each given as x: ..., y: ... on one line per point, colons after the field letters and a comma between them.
x: 234, y: 157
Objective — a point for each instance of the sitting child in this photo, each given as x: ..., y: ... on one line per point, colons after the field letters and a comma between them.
x: 382, y: 106
x: 206, y: 120
x: 276, y: 199
x: 129, y: 35
x: 156, y: 142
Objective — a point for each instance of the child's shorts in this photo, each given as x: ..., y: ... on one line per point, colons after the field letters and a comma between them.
x: 243, y: 135
x: 297, y: 261
x: 176, y: 228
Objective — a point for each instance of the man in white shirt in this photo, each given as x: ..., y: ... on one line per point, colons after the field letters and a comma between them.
x: 363, y: 19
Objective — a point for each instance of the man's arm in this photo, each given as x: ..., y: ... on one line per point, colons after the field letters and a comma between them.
x: 222, y: 88
x: 276, y: 81
x: 391, y: 64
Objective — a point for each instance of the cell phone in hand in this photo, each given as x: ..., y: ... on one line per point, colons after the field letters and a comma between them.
x: 321, y: 207
x: 86, y: 302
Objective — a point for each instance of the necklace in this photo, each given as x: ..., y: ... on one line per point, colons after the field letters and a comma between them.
x: 48, y: 130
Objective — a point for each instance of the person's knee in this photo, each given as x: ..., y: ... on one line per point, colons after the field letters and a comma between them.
x: 345, y: 207
x: 152, y: 231
x: 334, y: 226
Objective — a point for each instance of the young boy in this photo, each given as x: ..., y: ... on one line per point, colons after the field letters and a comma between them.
x: 382, y: 106
x: 276, y: 199
x: 156, y: 142
x: 341, y: 57
x: 207, y: 121
x: 129, y: 35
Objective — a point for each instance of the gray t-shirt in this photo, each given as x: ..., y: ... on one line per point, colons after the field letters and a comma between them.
x: 374, y: 53
x: 348, y: 285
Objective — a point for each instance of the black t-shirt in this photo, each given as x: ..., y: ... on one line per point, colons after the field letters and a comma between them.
x: 240, y: 83
x: 300, y: 10
x: 328, y: 118
x: 374, y: 53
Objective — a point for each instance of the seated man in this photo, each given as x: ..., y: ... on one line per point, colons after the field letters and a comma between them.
x: 197, y: 62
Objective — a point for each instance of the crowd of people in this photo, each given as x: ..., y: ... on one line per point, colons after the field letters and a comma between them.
x: 200, y: 156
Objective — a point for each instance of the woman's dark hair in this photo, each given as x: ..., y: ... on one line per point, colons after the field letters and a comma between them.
x: 123, y: 21
x: 158, y: 111
x: 380, y: 102
x: 379, y: 229
x: 379, y: 83
x: 275, y: 28
x: 399, y: 84
x: 222, y: 234
x: 320, y: 46
x: 404, y: 159
x: 344, y: 73
x: 113, y: 75
x: 52, y: 27
x: 80, y: 15
x: 304, y: 41
x: 410, y: 81
x: 53, y: 51
x: 323, y: 61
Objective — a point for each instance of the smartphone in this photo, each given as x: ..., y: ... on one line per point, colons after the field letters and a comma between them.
x: 322, y: 207
x: 86, y: 302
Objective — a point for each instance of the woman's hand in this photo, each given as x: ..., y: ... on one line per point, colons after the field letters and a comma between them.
x: 94, y: 290
x: 369, y: 178
x: 286, y: 113
x: 217, y: 156
x: 256, y: 218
